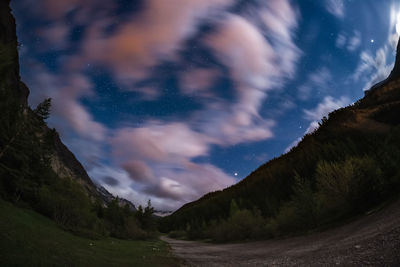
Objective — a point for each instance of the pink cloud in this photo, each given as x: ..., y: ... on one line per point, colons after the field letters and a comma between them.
x: 155, y: 34
x: 57, y: 9
x: 190, y: 183
x: 159, y: 142
x: 256, y: 65
x: 197, y: 82
x: 56, y: 35
x: 159, y: 157
x: 138, y: 171
x: 84, y: 10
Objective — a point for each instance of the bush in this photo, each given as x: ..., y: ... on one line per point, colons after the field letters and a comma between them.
x: 301, y: 212
x: 349, y: 186
x: 242, y: 225
x: 65, y: 201
x: 132, y: 229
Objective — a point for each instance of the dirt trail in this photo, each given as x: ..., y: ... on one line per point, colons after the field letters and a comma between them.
x: 373, y: 240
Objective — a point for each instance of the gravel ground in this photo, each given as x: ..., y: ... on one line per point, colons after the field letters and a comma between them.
x: 372, y: 240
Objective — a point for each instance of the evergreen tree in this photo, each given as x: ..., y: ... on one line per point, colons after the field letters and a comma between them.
x: 43, y: 109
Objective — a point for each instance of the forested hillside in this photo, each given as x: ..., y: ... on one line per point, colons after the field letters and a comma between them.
x: 346, y: 167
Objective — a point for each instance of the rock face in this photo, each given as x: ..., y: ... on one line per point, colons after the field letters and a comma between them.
x: 9, y: 67
x: 65, y: 164
x: 14, y: 112
x: 15, y: 97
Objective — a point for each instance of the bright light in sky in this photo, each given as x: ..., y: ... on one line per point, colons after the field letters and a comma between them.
x: 236, y: 174
x: 372, y: 40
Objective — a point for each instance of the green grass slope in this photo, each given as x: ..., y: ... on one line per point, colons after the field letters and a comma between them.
x: 29, y: 239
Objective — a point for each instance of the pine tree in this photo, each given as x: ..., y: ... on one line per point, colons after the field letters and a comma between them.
x: 43, y: 109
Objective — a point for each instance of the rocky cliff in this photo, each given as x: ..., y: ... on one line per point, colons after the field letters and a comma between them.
x: 22, y: 132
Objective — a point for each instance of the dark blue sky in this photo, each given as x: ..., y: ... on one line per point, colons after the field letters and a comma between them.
x: 169, y: 100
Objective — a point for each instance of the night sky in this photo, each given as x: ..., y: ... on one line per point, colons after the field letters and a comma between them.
x: 170, y: 99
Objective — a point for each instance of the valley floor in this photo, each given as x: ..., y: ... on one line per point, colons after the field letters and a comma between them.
x: 29, y: 239
x: 372, y: 240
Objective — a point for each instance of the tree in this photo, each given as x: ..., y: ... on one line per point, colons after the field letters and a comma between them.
x: 234, y: 208
x: 145, y: 217
x: 43, y: 109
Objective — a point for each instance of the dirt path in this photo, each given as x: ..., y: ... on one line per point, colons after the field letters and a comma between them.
x: 373, y: 240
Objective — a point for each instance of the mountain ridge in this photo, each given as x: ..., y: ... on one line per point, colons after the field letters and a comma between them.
x: 345, y: 137
x: 375, y: 90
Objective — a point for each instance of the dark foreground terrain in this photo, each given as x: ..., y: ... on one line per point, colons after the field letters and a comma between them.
x: 372, y: 240
x: 30, y: 239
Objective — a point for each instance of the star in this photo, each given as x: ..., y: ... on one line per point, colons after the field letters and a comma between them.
x: 236, y: 174
x: 372, y: 41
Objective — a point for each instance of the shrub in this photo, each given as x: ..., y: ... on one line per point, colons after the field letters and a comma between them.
x: 65, y: 201
x: 243, y: 224
x: 301, y: 212
x: 349, y: 186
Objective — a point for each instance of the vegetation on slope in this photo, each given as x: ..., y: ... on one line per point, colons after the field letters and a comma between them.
x: 346, y: 167
x: 27, y: 147
x: 27, y: 238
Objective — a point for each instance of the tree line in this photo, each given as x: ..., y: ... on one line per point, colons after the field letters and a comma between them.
x: 335, y: 173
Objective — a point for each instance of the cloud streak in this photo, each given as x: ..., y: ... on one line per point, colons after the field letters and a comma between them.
x: 335, y: 7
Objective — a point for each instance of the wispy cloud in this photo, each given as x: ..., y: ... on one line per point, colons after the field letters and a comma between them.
x: 335, y: 7
x: 373, y: 68
x: 327, y: 105
x: 66, y: 90
x: 318, y: 81
x: 352, y: 43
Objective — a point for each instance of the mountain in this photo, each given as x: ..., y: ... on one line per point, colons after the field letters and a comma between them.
x: 28, y: 148
x: 37, y: 171
x: 347, y: 166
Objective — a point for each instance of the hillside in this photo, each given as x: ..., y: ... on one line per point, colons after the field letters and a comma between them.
x: 38, y: 171
x: 17, y: 118
x: 346, y: 167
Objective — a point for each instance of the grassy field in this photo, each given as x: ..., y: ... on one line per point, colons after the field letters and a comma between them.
x: 29, y: 239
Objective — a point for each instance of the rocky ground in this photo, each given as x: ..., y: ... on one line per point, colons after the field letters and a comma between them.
x: 372, y: 240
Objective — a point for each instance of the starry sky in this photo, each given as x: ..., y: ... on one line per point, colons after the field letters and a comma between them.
x: 170, y: 99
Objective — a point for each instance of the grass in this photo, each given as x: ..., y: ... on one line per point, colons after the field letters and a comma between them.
x: 29, y: 239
